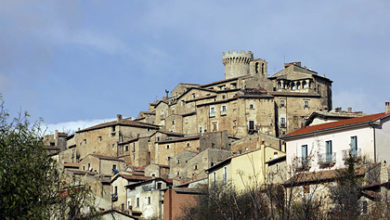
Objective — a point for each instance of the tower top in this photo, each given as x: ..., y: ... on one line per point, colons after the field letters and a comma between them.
x: 236, y: 64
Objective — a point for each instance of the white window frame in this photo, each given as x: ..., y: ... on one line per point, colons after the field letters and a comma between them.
x: 212, y: 111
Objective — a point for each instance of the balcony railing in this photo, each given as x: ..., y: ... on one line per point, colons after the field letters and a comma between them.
x: 354, y: 153
x: 327, y: 159
x: 303, y: 164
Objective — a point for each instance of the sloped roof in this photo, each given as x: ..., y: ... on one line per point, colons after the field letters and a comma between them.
x: 337, y: 124
x: 131, y: 177
x: 320, y: 176
x: 123, y: 122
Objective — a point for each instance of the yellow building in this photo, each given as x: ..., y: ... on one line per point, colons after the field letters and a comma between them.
x: 244, y: 171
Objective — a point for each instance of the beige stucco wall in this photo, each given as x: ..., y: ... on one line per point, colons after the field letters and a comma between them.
x: 245, y: 171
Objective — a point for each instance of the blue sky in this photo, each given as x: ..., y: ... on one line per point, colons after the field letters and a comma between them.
x: 77, y: 62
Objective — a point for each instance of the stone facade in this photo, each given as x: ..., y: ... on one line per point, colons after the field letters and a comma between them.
x: 195, y: 166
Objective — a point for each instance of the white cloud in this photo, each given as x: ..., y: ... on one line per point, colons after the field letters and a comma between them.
x: 73, y: 126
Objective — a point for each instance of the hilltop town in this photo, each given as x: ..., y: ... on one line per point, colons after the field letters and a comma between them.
x: 238, y: 131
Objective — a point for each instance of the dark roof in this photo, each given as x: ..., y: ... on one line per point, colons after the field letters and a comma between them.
x: 179, y: 139
x: 71, y: 165
x: 131, y: 177
x: 102, y: 157
x: 276, y: 160
x: 170, y: 133
x: 320, y: 176
x: 113, y: 210
x: 220, y: 81
x: 217, y: 102
x: 123, y: 122
x: 129, y: 141
x: 132, y: 186
x: 188, y: 114
x: 191, y: 181
x: 337, y: 124
x: 201, y: 98
x: 189, y: 191
x: 196, y: 88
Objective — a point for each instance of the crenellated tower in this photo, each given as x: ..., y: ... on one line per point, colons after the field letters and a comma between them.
x: 236, y: 64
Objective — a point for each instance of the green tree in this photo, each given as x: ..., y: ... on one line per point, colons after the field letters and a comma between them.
x: 31, y: 186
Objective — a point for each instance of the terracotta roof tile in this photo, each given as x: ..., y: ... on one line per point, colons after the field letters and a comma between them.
x: 341, y: 123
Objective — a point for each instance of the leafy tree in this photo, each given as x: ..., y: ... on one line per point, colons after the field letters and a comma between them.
x: 31, y: 185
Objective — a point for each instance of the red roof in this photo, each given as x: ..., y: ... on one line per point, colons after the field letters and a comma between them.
x: 351, y: 121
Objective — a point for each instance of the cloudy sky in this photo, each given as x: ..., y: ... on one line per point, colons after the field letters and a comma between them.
x: 79, y: 62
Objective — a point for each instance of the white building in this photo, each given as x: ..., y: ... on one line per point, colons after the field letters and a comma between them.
x: 324, y: 146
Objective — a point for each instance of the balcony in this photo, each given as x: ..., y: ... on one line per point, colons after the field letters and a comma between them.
x: 357, y: 154
x: 327, y: 160
x: 114, y: 197
x: 303, y: 164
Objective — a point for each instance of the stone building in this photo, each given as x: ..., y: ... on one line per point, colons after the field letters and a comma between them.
x: 103, y: 139
x: 247, y: 101
x: 195, y: 166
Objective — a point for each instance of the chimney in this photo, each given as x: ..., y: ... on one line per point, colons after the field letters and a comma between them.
x: 387, y: 107
x: 118, y: 117
x: 349, y: 109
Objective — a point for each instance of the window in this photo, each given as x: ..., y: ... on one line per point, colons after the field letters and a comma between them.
x: 173, y: 122
x: 193, y: 95
x: 195, y: 167
x: 364, y: 207
x: 283, y: 122
x: 328, y: 151
x: 251, y: 106
x: 200, y: 129
x: 251, y: 125
x: 282, y: 103
x: 223, y: 96
x: 100, y: 138
x: 214, y: 178
x: 304, y: 155
x: 279, y: 85
x: 114, y: 167
x: 127, y: 148
x: 188, y: 144
x: 354, y: 146
x: 262, y: 68
x: 223, y: 110
x: 214, y: 126
x: 167, y: 146
x: 298, y: 85
x: 257, y: 67
x: 159, y: 185
x: 304, y: 85
x: 137, y: 202
x: 224, y: 174
x: 306, y: 104
x: 169, y: 159
x: 149, y: 201
x: 212, y: 111
x: 116, y: 190
x: 129, y: 203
